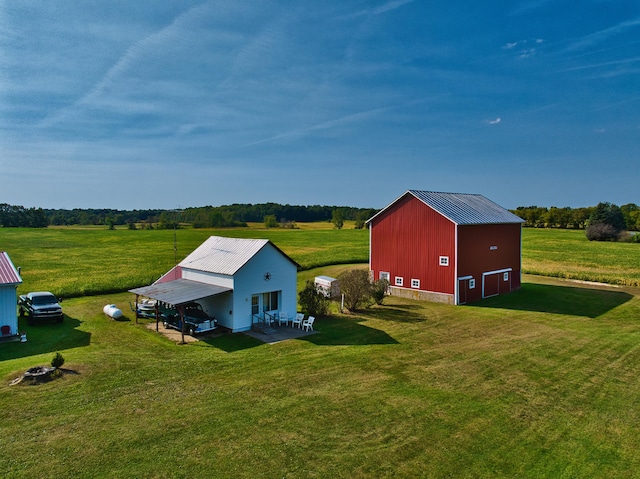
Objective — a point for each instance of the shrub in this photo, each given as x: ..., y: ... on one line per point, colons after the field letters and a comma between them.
x: 57, y: 361
x: 379, y: 290
x: 313, y: 302
x: 356, y: 289
x: 601, y: 232
x: 270, y: 221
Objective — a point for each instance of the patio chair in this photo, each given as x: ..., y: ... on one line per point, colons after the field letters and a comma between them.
x: 283, y: 318
x: 307, y: 324
x: 6, y: 330
x: 268, y: 319
x: 297, y: 320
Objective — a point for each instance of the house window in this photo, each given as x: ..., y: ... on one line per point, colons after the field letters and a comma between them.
x: 399, y: 280
x: 415, y: 283
x: 472, y: 283
x: 444, y: 261
x: 270, y: 301
x: 255, y: 304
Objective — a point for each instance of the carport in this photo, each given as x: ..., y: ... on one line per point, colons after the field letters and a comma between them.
x: 177, y: 293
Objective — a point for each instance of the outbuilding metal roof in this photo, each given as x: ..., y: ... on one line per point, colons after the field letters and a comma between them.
x: 223, y: 255
x: 8, y: 272
x: 463, y: 208
x: 179, y: 291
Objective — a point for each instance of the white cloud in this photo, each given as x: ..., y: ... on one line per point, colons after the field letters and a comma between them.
x: 493, y: 122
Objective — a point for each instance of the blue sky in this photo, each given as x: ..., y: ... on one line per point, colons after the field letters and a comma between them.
x: 166, y: 104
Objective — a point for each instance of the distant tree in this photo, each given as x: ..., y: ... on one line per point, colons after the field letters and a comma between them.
x: 270, y: 221
x: 605, y: 223
x: 337, y: 218
x: 355, y: 288
x: 631, y: 213
x: 361, y: 218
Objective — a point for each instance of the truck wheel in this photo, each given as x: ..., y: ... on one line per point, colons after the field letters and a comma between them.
x: 21, y: 312
x: 60, y: 319
x: 191, y: 332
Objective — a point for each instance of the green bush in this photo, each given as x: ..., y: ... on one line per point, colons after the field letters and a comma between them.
x: 379, y: 290
x: 356, y: 289
x: 313, y: 302
x: 57, y: 361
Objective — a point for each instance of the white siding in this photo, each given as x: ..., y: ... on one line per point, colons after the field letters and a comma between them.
x: 221, y: 307
x: 208, y: 278
x: 250, y: 280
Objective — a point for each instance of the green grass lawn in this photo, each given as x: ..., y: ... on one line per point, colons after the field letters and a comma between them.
x: 539, y: 383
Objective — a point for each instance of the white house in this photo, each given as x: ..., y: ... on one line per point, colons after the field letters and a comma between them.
x: 9, y: 281
x: 236, y: 280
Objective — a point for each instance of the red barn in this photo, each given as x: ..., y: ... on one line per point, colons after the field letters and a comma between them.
x: 447, y: 247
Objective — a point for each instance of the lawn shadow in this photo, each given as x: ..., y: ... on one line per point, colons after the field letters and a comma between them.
x: 46, y: 338
x: 407, y: 313
x: 569, y: 300
x: 334, y: 331
x: 232, y: 342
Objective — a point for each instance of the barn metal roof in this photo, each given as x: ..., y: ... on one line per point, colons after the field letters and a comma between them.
x: 226, y: 256
x: 463, y: 208
x: 179, y: 291
x: 8, y: 272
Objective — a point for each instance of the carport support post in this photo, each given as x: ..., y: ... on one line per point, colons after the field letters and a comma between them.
x: 157, y: 314
x: 181, y: 311
x: 136, y: 311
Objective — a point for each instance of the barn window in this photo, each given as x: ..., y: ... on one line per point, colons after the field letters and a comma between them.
x: 444, y: 261
x: 384, y: 275
x: 505, y: 276
x: 399, y: 280
x: 415, y: 283
x: 472, y: 283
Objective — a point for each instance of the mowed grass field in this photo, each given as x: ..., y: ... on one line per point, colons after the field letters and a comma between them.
x: 543, y: 382
x: 85, y: 261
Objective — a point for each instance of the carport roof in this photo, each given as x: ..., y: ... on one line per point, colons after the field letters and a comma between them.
x: 179, y: 291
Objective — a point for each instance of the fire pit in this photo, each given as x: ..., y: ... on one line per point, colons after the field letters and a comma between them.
x: 39, y: 373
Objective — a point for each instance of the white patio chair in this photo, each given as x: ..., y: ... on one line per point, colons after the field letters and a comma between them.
x: 297, y: 320
x: 307, y: 324
x: 283, y: 318
x: 268, y: 319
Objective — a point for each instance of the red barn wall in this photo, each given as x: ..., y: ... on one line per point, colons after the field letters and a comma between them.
x: 485, y: 248
x: 407, y: 240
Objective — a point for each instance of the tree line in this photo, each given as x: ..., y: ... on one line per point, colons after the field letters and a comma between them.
x: 198, y: 217
x: 575, y: 218
x: 235, y: 215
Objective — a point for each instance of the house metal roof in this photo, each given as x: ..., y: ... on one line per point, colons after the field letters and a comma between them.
x: 8, y: 272
x: 179, y: 291
x: 462, y: 208
x: 223, y: 255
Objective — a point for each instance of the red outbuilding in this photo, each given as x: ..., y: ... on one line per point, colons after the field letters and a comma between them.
x: 452, y: 248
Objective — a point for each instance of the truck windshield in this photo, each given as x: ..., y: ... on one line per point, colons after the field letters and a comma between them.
x: 44, y: 299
